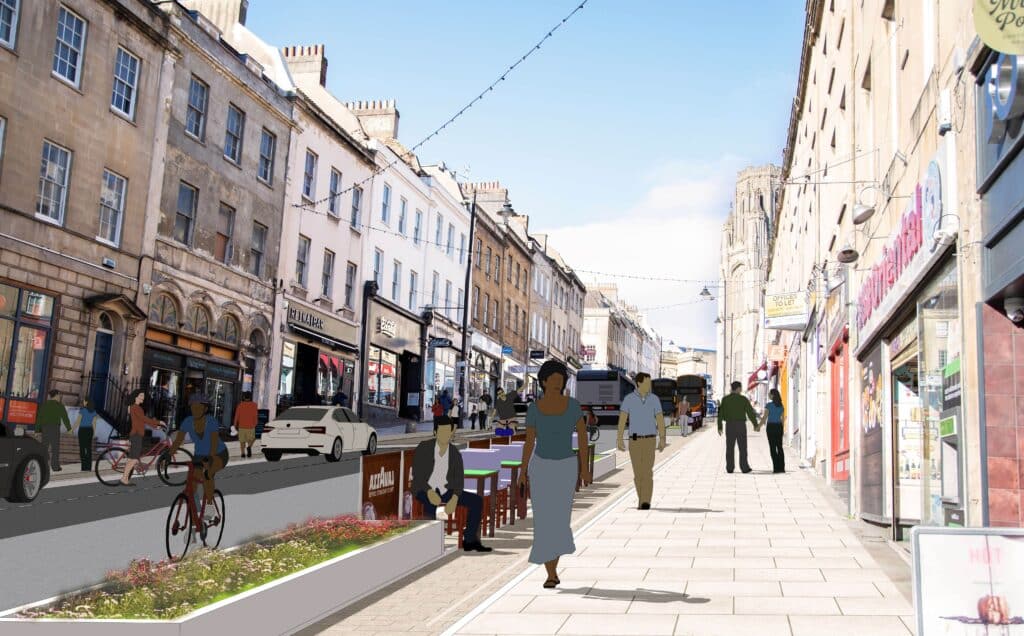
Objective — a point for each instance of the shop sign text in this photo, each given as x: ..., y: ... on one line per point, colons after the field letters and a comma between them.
x: 305, y: 318
x: 387, y: 327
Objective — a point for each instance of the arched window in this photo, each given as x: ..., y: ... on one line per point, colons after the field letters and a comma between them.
x: 106, y: 324
x: 198, y: 321
x: 164, y: 312
x: 227, y: 329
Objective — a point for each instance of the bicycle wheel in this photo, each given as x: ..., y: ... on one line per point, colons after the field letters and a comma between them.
x: 215, y: 528
x: 165, y: 463
x: 178, y: 533
x: 110, y: 466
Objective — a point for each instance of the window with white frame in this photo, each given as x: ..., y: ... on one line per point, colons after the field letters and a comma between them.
x: 268, y: 148
x: 126, y: 83
x: 479, y: 253
x: 327, y: 277
x: 508, y: 268
x: 414, y: 281
x: 497, y: 268
x: 350, y: 284
x: 396, y: 283
x: 496, y: 316
x: 462, y: 304
x: 508, y: 314
x: 3, y: 130
x: 462, y: 248
x: 487, y: 309
x: 233, y: 134
x: 309, y: 175
x: 54, y: 174
x: 112, y: 194
x: 357, y: 205
x: 487, y: 264
x: 335, y: 188
x: 9, y: 22
x: 448, y: 298
x: 68, y: 48
x: 195, y: 115
x: 385, y: 206
x: 223, y: 246
x: 302, y: 261
x: 417, y: 229
x: 257, y: 249
x: 403, y: 210
x: 476, y: 303
x: 438, y: 231
x: 450, y: 249
x: 378, y: 267
x: 435, y: 290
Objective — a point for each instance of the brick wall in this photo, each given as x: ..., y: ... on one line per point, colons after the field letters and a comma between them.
x: 1004, y: 418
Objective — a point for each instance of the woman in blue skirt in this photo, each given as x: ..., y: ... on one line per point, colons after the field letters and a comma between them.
x: 553, y: 468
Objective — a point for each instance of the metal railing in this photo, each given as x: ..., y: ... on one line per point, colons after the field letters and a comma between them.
x: 111, y: 396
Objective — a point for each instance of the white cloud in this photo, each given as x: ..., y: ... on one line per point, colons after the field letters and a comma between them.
x: 673, y: 231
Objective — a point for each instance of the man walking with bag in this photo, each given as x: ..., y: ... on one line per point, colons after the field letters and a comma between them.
x: 734, y: 411
x: 646, y: 420
x: 51, y: 416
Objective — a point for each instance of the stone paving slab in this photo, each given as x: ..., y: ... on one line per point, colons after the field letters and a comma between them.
x: 717, y: 554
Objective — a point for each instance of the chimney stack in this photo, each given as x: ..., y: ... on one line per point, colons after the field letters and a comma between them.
x: 379, y: 118
x: 307, y: 60
x: 223, y: 13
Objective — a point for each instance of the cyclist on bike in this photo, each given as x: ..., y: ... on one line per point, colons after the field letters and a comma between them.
x: 209, y: 450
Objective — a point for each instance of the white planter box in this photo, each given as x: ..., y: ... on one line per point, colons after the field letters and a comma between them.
x: 284, y: 606
x: 604, y: 463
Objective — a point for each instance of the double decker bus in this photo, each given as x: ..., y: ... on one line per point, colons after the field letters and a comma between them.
x: 694, y: 388
x: 667, y: 391
x: 602, y: 391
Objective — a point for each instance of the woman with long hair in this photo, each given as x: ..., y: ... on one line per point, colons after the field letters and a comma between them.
x: 774, y: 415
x: 554, y: 468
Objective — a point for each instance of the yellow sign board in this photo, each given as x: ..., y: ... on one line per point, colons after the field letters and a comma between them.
x: 786, y: 311
x: 1000, y: 25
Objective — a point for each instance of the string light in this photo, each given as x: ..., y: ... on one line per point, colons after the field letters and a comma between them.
x: 451, y: 120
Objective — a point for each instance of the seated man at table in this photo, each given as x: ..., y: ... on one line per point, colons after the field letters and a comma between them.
x: 438, y: 477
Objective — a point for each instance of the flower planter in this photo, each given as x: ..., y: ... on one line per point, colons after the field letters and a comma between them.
x: 604, y: 463
x: 283, y: 606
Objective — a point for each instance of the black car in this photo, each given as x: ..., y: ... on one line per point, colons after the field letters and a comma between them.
x: 23, y: 468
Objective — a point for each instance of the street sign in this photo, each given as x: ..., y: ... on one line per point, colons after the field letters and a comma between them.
x: 537, y: 354
x: 439, y: 343
x: 506, y: 351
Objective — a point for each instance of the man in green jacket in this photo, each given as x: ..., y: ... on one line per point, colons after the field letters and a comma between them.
x: 734, y: 410
x: 51, y: 415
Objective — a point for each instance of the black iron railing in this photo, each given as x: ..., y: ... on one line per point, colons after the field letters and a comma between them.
x: 111, y: 396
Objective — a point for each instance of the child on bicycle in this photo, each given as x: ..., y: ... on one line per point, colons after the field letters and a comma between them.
x: 204, y: 434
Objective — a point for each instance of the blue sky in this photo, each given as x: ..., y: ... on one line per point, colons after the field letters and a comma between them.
x: 630, y: 122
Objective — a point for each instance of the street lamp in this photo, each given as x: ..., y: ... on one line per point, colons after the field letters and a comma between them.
x: 465, y: 314
x: 705, y: 294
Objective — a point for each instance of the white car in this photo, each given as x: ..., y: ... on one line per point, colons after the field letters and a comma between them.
x: 317, y: 430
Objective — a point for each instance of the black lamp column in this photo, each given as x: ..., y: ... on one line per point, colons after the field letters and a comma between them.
x: 369, y: 290
x: 465, y: 314
x: 428, y: 319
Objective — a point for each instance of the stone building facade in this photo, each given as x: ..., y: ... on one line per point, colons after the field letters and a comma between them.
x: 82, y: 87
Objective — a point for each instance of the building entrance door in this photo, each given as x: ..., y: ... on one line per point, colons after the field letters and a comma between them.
x: 104, y: 344
x: 840, y: 413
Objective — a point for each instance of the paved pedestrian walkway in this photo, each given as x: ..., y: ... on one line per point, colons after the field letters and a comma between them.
x: 718, y: 554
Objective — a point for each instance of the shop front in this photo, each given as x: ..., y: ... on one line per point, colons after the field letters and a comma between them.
x: 392, y: 370
x: 839, y: 377
x: 442, y: 363
x: 485, y: 366
x: 1000, y: 183
x: 176, y: 366
x: 27, y: 321
x: 908, y: 323
x: 318, y: 356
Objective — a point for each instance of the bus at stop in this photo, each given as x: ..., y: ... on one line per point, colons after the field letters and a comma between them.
x: 601, y: 391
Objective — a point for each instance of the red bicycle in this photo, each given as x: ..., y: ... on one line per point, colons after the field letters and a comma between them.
x: 111, y: 462
x: 188, y: 516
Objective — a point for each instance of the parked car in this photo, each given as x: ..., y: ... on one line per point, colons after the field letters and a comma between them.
x: 23, y: 468
x: 317, y: 430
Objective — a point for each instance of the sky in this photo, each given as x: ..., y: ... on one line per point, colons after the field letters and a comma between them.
x: 621, y: 137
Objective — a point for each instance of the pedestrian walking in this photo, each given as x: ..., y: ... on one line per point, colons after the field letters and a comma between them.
x: 86, y: 419
x: 485, y: 408
x: 446, y: 402
x: 553, y: 467
x: 646, y: 421
x: 340, y: 398
x: 139, y: 421
x: 734, y: 410
x: 473, y: 415
x: 48, y: 422
x: 246, y: 417
x: 774, y: 414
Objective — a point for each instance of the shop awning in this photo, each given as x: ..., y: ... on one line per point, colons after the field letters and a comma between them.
x: 340, y: 344
x: 754, y: 379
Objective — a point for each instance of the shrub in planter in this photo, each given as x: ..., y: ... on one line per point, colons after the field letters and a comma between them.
x: 166, y: 590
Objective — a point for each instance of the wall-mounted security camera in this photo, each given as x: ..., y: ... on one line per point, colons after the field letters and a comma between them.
x: 1014, y: 308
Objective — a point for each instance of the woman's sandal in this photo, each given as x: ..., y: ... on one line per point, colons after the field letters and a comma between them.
x: 550, y: 583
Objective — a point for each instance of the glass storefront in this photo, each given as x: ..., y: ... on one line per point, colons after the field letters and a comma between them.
x: 382, y: 378
x: 25, y: 341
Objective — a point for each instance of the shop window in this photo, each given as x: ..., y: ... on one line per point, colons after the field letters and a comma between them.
x: 287, y: 369
x: 383, y: 372
x: 198, y: 321
x: 164, y: 312
x: 227, y: 329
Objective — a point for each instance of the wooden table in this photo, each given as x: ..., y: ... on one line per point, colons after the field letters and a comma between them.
x: 515, y: 465
x: 480, y: 475
x: 590, y: 460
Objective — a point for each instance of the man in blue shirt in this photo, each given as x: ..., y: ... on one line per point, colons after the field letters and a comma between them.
x: 86, y: 416
x: 204, y: 434
x: 643, y: 409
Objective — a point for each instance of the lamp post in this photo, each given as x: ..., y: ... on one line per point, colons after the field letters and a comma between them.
x: 465, y: 313
x: 369, y: 290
